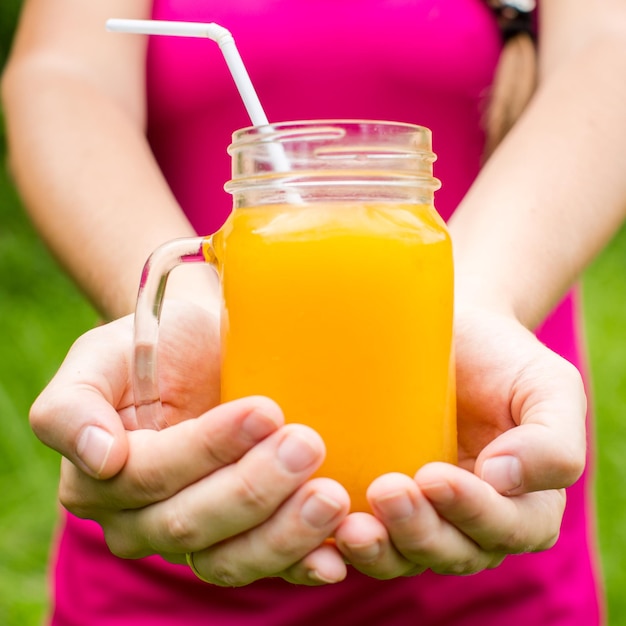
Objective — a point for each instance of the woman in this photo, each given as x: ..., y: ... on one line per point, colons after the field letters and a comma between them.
x: 120, y: 151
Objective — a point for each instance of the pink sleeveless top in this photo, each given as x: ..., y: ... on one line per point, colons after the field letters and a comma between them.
x: 424, y: 61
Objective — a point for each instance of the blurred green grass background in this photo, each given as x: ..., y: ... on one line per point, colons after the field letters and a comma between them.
x: 41, y: 313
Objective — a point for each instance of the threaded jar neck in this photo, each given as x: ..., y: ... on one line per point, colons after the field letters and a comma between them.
x: 332, y: 160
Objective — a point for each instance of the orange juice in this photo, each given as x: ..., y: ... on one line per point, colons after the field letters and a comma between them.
x: 342, y: 313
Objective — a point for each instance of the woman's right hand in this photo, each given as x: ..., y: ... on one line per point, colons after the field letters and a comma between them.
x: 230, y: 488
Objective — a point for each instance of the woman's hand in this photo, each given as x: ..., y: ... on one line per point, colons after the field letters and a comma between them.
x: 521, y: 415
x: 231, y: 486
x: 228, y: 491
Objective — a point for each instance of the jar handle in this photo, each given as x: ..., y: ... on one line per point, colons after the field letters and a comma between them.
x: 147, y: 398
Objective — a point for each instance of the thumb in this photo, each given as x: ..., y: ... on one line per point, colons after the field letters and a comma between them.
x: 548, y: 447
x: 77, y: 413
x: 82, y: 427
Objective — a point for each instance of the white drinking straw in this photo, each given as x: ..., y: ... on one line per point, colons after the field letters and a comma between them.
x: 212, y: 31
x: 238, y: 71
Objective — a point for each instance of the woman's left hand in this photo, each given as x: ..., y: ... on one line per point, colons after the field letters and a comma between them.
x: 521, y: 419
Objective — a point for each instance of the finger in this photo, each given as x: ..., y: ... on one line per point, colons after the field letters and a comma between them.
x: 75, y: 415
x: 226, y: 502
x: 161, y: 463
x: 547, y: 450
x: 418, y: 537
x: 323, y: 566
x: 366, y: 545
x: 287, y: 545
x: 498, y: 524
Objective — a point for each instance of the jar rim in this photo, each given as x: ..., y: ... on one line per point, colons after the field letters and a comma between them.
x: 296, y: 128
x: 335, y: 120
x: 338, y: 152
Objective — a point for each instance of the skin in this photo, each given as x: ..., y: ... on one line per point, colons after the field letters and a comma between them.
x: 66, y: 81
x: 544, y: 205
x: 206, y: 485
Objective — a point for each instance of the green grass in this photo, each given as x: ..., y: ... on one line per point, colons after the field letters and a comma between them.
x: 605, y: 310
x: 41, y: 313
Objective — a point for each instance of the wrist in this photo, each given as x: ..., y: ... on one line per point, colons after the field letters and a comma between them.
x: 474, y: 292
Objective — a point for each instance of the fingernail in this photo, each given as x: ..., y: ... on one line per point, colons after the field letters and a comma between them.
x: 318, y: 577
x: 438, y: 492
x: 396, y: 506
x: 363, y: 553
x: 296, y: 453
x: 319, y: 510
x: 93, y: 448
x: 256, y: 425
x: 503, y: 473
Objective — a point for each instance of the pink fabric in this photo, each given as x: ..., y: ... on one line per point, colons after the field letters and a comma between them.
x: 423, y: 61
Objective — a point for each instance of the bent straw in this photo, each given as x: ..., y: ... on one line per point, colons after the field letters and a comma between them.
x: 238, y: 71
x: 212, y: 31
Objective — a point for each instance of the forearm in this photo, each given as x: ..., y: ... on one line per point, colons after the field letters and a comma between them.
x: 74, y: 100
x: 554, y: 192
x: 89, y: 182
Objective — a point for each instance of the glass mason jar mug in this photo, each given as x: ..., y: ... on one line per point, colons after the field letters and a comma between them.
x: 337, y: 294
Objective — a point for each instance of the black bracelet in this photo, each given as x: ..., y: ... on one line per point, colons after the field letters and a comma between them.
x: 514, y: 17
